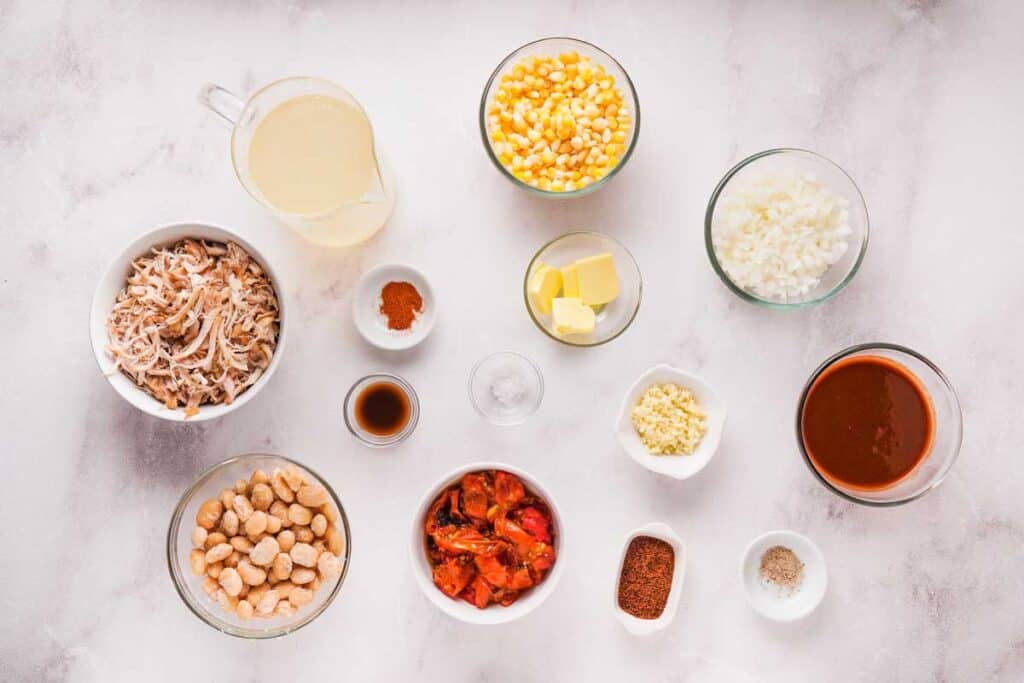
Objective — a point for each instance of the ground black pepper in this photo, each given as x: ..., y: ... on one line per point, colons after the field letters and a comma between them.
x: 646, y: 578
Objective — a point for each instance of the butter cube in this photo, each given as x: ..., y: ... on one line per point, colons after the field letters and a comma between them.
x: 570, y: 281
x: 598, y: 282
x: 572, y: 316
x: 545, y: 283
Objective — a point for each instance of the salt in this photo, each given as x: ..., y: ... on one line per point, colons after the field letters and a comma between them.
x: 508, y: 387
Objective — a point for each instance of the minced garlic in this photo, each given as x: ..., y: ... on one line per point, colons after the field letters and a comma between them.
x: 669, y: 420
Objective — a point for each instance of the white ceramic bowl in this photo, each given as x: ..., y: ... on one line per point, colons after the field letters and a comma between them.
x: 366, y: 307
x: 113, y: 282
x: 768, y: 599
x: 643, y: 627
x: 460, y: 609
x: 676, y: 466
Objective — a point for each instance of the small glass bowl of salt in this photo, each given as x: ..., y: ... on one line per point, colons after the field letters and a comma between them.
x: 506, y: 388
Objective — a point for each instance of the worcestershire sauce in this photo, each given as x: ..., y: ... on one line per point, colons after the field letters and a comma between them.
x: 382, y: 409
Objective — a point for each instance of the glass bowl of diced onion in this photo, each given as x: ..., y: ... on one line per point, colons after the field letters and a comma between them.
x: 623, y: 138
x: 786, y: 228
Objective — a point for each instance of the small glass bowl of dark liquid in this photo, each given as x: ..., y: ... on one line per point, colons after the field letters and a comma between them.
x: 381, y: 410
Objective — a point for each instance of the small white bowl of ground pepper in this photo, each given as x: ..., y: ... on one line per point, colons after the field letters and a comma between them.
x: 784, y: 575
x: 650, y: 579
x: 394, y: 307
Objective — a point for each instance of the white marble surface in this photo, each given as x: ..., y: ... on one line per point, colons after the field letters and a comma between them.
x: 101, y: 138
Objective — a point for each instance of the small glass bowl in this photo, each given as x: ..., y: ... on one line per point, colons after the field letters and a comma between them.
x: 838, y: 181
x: 948, y: 428
x: 376, y: 440
x: 509, y: 364
x: 612, y: 319
x: 179, y: 544
x: 555, y: 46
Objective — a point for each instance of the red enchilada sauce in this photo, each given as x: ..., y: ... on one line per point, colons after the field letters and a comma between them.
x: 867, y: 423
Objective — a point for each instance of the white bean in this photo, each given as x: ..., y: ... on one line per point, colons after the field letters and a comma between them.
x: 199, y: 537
x: 264, y: 552
x: 304, y: 554
x: 230, y: 581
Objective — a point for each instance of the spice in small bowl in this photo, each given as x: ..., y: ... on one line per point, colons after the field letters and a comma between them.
x: 394, y: 307
x: 650, y: 579
x: 781, y: 567
x: 400, y: 303
x: 784, y: 575
x: 646, y: 577
x: 506, y: 388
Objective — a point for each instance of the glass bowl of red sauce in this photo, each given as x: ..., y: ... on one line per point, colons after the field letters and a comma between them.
x: 879, y: 424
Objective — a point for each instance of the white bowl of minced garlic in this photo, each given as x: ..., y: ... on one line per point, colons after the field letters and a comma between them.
x: 671, y: 422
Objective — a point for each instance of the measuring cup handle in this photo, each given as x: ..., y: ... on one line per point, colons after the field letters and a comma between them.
x: 221, y: 102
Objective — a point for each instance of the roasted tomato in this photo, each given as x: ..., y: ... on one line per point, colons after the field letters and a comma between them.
x: 474, y: 496
x: 488, y: 539
x: 465, y: 539
x: 481, y: 592
x: 508, y: 490
x: 492, y: 570
x: 535, y: 524
x: 509, y: 530
x: 453, y: 575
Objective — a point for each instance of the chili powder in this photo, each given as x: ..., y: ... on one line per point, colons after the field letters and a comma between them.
x: 646, y: 578
x: 400, y: 303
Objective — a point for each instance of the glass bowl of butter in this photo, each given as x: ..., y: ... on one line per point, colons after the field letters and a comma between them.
x: 582, y: 289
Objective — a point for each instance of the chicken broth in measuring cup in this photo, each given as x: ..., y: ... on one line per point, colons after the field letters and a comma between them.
x: 305, y: 149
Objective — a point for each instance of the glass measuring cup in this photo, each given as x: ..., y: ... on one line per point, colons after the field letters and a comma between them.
x: 360, y: 211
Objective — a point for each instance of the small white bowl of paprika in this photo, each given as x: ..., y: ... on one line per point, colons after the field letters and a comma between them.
x: 394, y: 307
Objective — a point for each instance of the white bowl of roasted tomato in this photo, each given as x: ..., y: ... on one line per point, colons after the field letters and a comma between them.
x: 487, y: 543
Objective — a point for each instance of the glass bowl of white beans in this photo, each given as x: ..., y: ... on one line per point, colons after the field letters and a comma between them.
x: 284, y: 560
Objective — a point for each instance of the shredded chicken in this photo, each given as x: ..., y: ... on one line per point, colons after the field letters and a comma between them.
x: 196, y: 323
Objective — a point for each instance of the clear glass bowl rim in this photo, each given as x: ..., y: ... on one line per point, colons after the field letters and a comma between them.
x: 540, y: 325
x: 536, y: 370
x: 536, y: 190
x: 752, y: 298
x: 414, y: 405
x: 177, y: 578
x: 872, y: 346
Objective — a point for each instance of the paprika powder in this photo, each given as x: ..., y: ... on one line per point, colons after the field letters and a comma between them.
x: 400, y: 303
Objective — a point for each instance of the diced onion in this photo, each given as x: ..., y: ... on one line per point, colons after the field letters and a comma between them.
x: 776, y: 234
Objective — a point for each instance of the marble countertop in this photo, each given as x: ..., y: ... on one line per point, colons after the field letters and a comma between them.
x: 101, y: 138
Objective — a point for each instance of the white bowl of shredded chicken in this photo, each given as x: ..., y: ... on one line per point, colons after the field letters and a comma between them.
x: 188, y: 324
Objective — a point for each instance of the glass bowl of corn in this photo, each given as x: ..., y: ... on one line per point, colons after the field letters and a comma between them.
x: 559, y: 117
